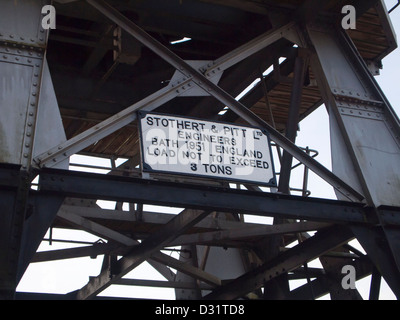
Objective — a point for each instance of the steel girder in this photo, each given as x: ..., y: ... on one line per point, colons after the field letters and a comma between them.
x: 361, y: 219
x: 59, y: 183
x: 365, y: 135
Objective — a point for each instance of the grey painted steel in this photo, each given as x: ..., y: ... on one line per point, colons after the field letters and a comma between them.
x: 365, y: 144
x: 366, y: 122
x: 30, y: 122
x: 365, y: 134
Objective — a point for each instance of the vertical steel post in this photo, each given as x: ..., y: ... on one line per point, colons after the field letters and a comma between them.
x: 365, y: 139
x: 30, y: 124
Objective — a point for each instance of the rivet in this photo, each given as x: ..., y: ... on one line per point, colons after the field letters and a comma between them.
x: 11, y: 36
x: 25, y: 155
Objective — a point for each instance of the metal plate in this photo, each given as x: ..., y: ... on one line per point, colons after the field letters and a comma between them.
x: 195, y: 147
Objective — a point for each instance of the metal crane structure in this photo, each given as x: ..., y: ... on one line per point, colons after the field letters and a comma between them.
x: 77, y: 89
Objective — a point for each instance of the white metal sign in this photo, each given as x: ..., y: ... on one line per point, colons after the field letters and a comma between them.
x: 180, y: 145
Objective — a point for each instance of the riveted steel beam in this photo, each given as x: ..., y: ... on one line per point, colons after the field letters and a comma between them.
x: 95, y: 186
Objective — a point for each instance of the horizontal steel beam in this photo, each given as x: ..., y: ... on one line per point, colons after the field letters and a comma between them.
x: 149, y: 219
x: 162, y: 284
x: 97, y: 186
x: 225, y: 237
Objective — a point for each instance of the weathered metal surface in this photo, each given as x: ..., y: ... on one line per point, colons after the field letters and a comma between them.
x: 97, y: 76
